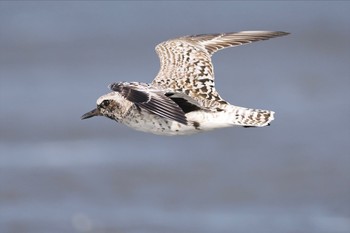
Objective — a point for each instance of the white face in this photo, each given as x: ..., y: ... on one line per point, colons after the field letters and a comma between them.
x: 110, y: 105
x: 110, y: 96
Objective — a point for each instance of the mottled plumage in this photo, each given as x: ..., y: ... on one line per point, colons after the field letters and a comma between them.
x: 182, y: 99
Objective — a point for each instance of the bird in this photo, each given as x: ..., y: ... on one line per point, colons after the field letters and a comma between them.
x: 182, y: 99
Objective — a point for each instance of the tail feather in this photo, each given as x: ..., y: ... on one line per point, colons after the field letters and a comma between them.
x: 251, y: 117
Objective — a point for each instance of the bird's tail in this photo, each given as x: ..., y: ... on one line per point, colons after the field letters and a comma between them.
x: 248, y: 117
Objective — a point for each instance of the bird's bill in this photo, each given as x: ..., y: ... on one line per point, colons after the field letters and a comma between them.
x: 92, y: 113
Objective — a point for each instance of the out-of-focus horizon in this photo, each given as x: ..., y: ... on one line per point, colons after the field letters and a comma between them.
x: 61, y: 174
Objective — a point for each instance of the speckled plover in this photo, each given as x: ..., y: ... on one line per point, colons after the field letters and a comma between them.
x: 182, y: 98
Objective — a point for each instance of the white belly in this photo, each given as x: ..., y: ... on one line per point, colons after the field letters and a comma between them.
x: 197, y: 122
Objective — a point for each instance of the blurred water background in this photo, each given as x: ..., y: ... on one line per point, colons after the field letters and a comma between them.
x: 60, y: 174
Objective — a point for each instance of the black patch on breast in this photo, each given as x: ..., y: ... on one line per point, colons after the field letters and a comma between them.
x: 183, y: 104
x: 196, y: 124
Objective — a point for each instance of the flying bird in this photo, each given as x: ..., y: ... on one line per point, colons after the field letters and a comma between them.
x: 182, y: 98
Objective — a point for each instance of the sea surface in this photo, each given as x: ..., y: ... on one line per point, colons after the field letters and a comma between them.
x: 60, y: 174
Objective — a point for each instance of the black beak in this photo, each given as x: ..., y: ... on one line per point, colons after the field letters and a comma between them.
x: 92, y: 113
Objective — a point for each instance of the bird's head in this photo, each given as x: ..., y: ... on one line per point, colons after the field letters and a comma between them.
x: 111, y: 105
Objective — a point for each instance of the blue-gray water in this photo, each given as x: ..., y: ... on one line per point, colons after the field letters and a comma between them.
x: 61, y: 174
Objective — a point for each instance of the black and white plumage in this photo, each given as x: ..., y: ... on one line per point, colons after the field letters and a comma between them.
x: 182, y: 99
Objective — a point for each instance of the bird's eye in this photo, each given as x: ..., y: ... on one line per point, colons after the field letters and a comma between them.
x: 105, y: 103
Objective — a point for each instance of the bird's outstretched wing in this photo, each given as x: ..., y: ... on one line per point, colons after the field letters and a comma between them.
x: 154, y: 101
x: 185, y: 62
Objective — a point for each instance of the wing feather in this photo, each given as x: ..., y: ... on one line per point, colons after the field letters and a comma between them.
x: 186, y: 66
x: 215, y: 42
x: 153, y: 101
